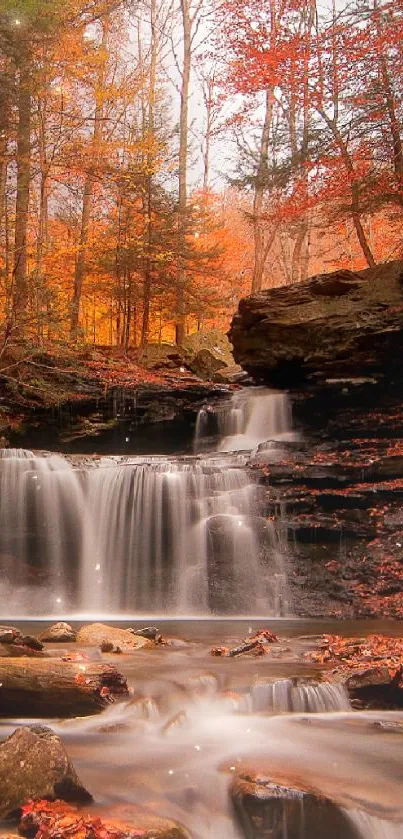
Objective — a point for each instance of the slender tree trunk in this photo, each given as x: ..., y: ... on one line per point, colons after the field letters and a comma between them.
x: 260, y: 186
x: 89, y: 185
x: 208, y: 99
x: 355, y: 190
x: 390, y: 102
x: 180, y: 328
x: 147, y: 283
x: 20, y: 278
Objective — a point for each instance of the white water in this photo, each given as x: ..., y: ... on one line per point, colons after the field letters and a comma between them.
x: 284, y: 695
x: 135, y: 536
x: 176, y: 745
x: 253, y: 416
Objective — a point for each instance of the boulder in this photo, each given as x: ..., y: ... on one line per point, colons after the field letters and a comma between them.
x: 266, y: 809
x: 59, y: 633
x: 14, y: 643
x: 210, y: 357
x: 150, y: 632
x: 98, y: 634
x: 35, y: 765
x: 345, y: 326
x: 9, y: 634
x: 162, y: 357
x: 368, y: 678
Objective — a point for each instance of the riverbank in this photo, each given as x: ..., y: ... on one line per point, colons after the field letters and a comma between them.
x: 63, y: 397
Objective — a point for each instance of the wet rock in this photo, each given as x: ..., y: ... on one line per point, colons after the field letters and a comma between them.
x: 32, y: 643
x: 8, y: 634
x: 13, y: 643
x: 35, y: 765
x: 59, y: 633
x: 370, y: 677
x: 96, y: 634
x: 150, y: 632
x: 268, y: 810
x: 106, y: 647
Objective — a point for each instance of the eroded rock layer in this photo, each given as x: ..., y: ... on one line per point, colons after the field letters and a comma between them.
x: 340, y: 325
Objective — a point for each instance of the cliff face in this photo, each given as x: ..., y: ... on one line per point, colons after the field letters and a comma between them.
x: 343, y: 325
x: 335, y: 342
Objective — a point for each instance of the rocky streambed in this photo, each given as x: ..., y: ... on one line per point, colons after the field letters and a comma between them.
x: 213, y: 729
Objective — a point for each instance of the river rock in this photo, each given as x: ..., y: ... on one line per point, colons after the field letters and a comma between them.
x: 268, y: 810
x: 97, y: 634
x: 35, y: 765
x: 59, y: 633
x: 150, y: 632
x: 340, y: 326
x: 9, y: 634
x: 368, y: 678
x: 14, y: 643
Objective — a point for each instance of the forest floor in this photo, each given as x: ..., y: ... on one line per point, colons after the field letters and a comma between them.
x: 34, y: 381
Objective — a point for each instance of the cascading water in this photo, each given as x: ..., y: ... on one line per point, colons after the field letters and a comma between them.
x: 41, y: 503
x: 253, y: 416
x: 157, y: 537
x: 169, y: 536
x: 284, y: 695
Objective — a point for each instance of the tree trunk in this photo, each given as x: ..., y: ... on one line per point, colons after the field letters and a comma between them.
x: 20, y: 279
x: 180, y: 327
x: 355, y: 190
x: 89, y: 184
x: 390, y: 101
x: 147, y: 284
x: 260, y: 185
x: 48, y: 688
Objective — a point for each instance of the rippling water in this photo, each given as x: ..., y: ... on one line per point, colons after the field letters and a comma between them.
x: 193, y: 721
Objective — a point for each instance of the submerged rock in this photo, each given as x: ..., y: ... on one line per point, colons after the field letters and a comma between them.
x: 35, y: 765
x: 59, y: 633
x: 98, y: 634
x: 269, y: 810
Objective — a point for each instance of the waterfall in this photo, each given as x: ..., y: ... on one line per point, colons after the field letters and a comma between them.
x: 157, y: 537
x: 285, y: 695
x: 253, y: 416
x: 184, y: 536
x: 41, y: 510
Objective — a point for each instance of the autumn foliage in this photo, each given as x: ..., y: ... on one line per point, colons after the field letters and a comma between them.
x: 116, y: 214
x: 346, y: 655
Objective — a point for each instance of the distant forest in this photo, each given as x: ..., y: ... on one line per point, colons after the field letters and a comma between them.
x: 160, y: 159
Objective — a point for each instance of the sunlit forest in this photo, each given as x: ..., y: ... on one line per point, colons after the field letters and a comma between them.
x: 160, y: 159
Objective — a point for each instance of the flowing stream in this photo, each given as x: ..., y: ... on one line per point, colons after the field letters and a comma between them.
x: 117, y: 536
